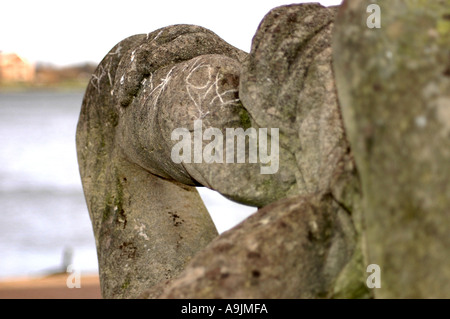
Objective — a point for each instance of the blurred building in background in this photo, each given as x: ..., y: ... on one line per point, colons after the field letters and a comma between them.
x: 14, y: 68
x: 18, y: 72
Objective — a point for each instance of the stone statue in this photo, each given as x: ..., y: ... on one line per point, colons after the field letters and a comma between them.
x: 145, y: 141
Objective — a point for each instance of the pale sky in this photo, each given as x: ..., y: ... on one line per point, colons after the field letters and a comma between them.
x: 67, y: 32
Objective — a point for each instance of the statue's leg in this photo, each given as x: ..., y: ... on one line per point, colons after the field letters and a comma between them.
x: 146, y: 228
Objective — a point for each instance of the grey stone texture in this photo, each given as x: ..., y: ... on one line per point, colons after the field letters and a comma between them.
x: 394, y: 89
x: 293, y: 248
x: 287, y: 82
x: 369, y: 185
x: 148, y: 219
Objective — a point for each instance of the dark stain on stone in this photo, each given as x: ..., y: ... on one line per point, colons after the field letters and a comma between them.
x: 213, y: 273
x: 447, y: 71
x: 176, y: 219
x: 292, y: 17
x: 230, y: 79
x: 224, y: 275
x: 128, y: 249
x: 377, y: 87
x: 122, y: 218
x: 223, y: 247
x: 253, y: 254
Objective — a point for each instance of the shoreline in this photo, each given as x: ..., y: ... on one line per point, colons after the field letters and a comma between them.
x: 50, y: 287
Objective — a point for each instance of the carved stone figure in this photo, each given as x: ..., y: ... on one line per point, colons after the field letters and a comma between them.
x: 153, y: 127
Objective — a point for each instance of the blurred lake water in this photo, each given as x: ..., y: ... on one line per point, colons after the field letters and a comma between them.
x: 43, y: 214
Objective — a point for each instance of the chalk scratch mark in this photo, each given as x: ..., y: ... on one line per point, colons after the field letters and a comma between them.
x: 198, y: 92
x: 117, y: 51
x: 160, y: 87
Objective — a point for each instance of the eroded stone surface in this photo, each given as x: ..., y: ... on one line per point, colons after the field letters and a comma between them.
x: 290, y: 86
x: 294, y: 248
x: 394, y: 87
x: 148, y: 219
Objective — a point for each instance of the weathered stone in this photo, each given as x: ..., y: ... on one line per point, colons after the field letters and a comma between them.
x: 124, y: 148
x: 245, y: 261
x: 287, y: 82
x: 294, y: 248
x: 146, y: 228
x: 203, y: 89
x: 394, y: 88
x: 148, y: 219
